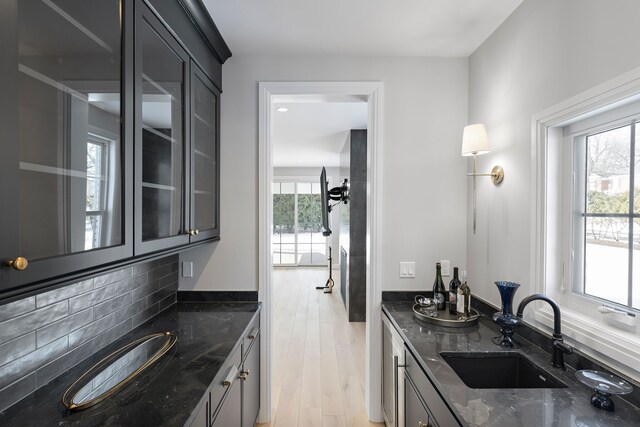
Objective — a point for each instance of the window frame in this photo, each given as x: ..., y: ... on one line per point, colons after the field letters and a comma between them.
x: 100, y: 186
x: 575, y: 136
x: 107, y: 192
x: 327, y: 242
x: 552, y: 234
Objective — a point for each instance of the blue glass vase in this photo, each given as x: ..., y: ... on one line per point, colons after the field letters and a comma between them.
x: 505, y: 318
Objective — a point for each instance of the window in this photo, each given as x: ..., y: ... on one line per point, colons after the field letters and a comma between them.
x: 297, y: 224
x: 608, y: 222
x: 585, y: 242
x: 97, y: 161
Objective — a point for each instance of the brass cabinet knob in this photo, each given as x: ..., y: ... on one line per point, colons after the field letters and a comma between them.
x: 421, y: 424
x: 244, y: 375
x: 19, y: 263
x: 193, y: 232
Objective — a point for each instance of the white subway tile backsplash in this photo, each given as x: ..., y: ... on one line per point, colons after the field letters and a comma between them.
x: 42, y: 336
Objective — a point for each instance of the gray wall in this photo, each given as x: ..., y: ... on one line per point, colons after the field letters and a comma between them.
x: 544, y: 53
x: 353, y: 226
x: 44, y: 335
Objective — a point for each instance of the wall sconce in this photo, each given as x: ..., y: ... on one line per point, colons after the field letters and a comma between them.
x: 474, y: 143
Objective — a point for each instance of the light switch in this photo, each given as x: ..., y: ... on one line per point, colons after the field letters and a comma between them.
x: 407, y: 269
x: 445, y: 265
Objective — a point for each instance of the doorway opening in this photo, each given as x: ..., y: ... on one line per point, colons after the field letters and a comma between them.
x: 271, y: 94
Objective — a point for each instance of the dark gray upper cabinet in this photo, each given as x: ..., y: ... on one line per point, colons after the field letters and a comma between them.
x: 109, y: 128
x: 205, y: 152
x: 66, y: 149
x: 162, y: 134
x: 177, y: 142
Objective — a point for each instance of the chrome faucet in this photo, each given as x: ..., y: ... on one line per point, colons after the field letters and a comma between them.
x: 560, y: 348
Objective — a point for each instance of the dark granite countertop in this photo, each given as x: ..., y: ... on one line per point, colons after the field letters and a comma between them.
x: 165, y: 394
x: 501, y: 407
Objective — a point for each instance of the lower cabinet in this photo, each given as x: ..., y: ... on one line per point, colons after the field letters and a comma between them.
x: 423, y: 404
x: 202, y: 416
x: 229, y: 413
x: 416, y: 415
x: 251, y: 385
x: 392, y: 375
x: 234, y: 400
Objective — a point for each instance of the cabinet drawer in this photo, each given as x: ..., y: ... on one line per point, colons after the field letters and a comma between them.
x: 251, y: 336
x: 439, y: 410
x: 229, y: 413
x: 229, y: 372
x: 251, y: 386
x: 416, y: 415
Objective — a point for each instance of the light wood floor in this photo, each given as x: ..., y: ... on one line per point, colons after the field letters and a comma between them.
x: 319, y: 357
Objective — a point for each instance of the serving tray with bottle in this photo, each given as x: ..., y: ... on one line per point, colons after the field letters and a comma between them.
x: 425, y: 309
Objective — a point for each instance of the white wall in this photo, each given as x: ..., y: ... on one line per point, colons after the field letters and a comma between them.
x: 544, y: 53
x: 425, y: 105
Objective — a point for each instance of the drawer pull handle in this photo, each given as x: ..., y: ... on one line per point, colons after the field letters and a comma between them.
x: 19, y: 263
x: 253, y: 334
x: 421, y: 424
x: 193, y: 232
x: 244, y: 375
x: 230, y: 377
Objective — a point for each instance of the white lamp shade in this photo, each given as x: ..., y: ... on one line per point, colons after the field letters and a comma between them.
x: 474, y: 140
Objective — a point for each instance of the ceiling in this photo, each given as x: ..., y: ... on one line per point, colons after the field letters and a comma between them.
x: 313, y: 131
x: 449, y: 28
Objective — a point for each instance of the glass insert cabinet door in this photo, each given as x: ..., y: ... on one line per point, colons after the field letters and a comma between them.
x: 205, y: 178
x: 161, y: 77
x: 61, y: 135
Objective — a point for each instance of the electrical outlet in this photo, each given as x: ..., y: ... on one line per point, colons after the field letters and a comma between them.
x: 187, y: 269
x: 445, y: 264
x: 407, y: 269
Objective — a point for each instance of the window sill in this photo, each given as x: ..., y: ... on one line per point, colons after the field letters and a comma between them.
x: 617, y: 348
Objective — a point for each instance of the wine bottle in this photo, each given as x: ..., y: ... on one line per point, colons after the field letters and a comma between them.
x: 453, y: 292
x: 439, y: 290
x: 464, y: 297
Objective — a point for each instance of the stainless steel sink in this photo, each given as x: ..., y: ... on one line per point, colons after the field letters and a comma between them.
x: 499, y: 370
